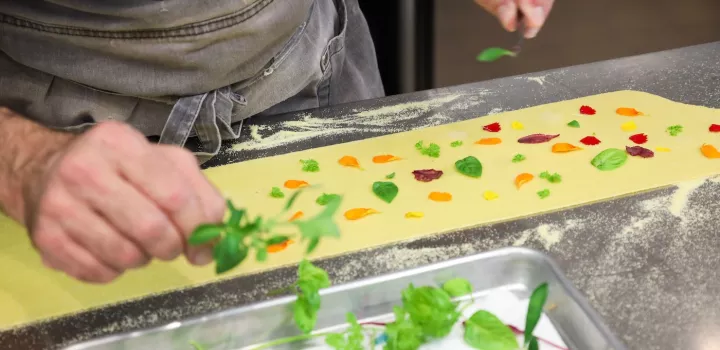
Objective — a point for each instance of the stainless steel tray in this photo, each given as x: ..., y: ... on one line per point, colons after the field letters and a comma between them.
x: 516, y: 269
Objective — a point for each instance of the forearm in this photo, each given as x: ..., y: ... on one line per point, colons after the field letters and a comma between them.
x: 26, y: 146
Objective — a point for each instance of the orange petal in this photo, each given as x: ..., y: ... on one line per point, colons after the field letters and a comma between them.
x: 440, y: 196
x: 279, y: 247
x: 293, y: 184
x: 628, y: 112
x: 359, y: 213
x: 385, y: 158
x: 710, y: 151
x: 489, y: 141
x: 523, y: 179
x: 564, y: 148
x: 296, y: 216
x: 349, y: 161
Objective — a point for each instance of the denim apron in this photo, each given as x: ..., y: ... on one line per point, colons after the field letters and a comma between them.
x: 176, y: 69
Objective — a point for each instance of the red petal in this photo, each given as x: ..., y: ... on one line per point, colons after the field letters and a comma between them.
x: 715, y: 128
x: 639, y: 138
x: 637, y: 151
x: 494, y: 127
x: 590, y: 141
x: 587, y: 110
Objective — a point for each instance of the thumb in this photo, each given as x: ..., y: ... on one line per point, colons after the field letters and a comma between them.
x: 504, y: 10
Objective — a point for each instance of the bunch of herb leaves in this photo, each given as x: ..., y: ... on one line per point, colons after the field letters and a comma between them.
x: 310, y: 280
x: 350, y: 340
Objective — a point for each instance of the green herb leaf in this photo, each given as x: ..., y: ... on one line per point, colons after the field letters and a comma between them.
x: 310, y: 165
x: 305, y: 315
x: 494, y: 53
x: 574, y: 124
x: 354, y: 334
x: 518, y: 158
x: 291, y: 200
x: 310, y: 280
x: 235, y: 215
x: 390, y: 176
x: 336, y: 341
x: 312, y: 245
x: 487, y: 332
x: 544, y: 193
x: 228, y: 253
x: 432, y: 150
x: 457, y: 287
x: 387, y: 191
x: 554, y: 178
x: 457, y: 143
x: 535, y: 309
x: 206, y: 233
x: 469, y: 166
x: 276, y: 192
x: 675, y: 130
x: 431, y: 309
x: 609, y: 159
x: 261, y: 254
x: 277, y: 239
x: 403, y: 334
x: 534, y: 344
x: 325, y: 198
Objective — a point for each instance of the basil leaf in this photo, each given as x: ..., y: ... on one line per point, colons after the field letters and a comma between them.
x: 609, y: 159
x: 487, y: 332
x: 206, y: 233
x: 494, y: 53
x: 304, y: 315
x: 469, y: 166
x: 307, y: 272
x: 387, y: 191
x: 403, y: 334
x: 431, y: 309
x: 535, y: 309
x: 457, y: 287
x: 229, y: 253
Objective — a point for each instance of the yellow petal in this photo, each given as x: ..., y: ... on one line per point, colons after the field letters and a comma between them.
x: 490, y: 195
x: 517, y: 125
x: 629, y: 126
x: 414, y: 215
x: 662, y: 149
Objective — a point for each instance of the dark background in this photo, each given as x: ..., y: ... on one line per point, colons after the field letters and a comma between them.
x: 450, y: 33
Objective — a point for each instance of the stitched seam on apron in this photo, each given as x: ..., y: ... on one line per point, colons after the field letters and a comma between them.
x: 182, y: 31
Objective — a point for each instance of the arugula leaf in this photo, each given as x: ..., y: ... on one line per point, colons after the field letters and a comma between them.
x: 228, y: 253
x: 206, y: 233
x: 431, y: 309
x: 457, y: 287
x: 535, y: 309
x: 310, y: 165
x: 387, y: 191
x: 276, y: 192
x: 487, y: 332
x: 403, y: 334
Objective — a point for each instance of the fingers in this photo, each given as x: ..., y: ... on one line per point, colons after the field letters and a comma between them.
x: 504, y: 10
x: 536, y: 12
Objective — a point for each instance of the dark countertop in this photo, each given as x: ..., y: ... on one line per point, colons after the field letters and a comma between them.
x: 648, y: 263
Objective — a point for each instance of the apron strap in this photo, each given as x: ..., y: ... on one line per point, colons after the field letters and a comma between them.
x: 210, y: 114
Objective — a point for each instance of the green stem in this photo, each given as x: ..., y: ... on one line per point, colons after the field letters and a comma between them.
x: 291, y: 340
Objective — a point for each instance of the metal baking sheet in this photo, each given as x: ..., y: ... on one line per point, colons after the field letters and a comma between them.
x: 515, y: 269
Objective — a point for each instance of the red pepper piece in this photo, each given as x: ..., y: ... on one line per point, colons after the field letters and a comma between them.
x: 427, y: 175
x: 494, y: 127
x: 639, y: 138
x: 637, y: 151
x: 715, y: 128
x: 537, y: 138
x: 587, y: 110
x: 590, y: 141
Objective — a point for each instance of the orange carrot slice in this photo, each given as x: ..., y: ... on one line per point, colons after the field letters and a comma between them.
x: 349, y: 161
x: 440, y: 196
x: 628, y: 112
x: 710, y: 151
x: 564, y: 148
x: 523, y: 179
x: 489, y: 141
x: 279, y: 247
x: 359, y: 213
x: 293, y: 184
x: 296, y: 216
x: 385, y: 158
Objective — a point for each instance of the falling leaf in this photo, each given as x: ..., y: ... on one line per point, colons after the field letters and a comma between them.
x: 414, y: 215
x: 564, y: 148
x: 523, y: 179
x: 490, y: 195
x: 440, y: 196
x: 349, y: 161
x: 517, y: 126
x: 385, y: 158
x: 710, y: 151
x: 489, y: 141
x: 628, y: 126
x: 628, y: 112
x: 294, y: 184
x: 494, y: 53
x: 359, y: 213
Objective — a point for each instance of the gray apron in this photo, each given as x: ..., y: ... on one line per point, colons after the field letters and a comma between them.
x: 181, y: 68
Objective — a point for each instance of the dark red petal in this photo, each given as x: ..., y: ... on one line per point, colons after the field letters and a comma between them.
x: 427, y: 175
x: 587, y: 110
x: 494, y: 127
x: 637, y: 151
x: 537, y: 138
x: 590, y: 141
x: 639, y: 138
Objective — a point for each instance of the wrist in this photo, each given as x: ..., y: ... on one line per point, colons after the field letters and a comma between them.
x: 27, y: 153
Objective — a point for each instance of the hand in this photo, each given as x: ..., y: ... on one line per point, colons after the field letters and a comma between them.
x: 110, y: 201
x: 535, y: 11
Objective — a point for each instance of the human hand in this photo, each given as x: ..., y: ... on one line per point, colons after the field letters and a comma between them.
x: 506, y: 11
x: 110, y: 201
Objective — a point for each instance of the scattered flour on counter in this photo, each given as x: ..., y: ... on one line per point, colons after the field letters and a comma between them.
x: 547, y: 234
x: 495, y: 111
x: 539, y: 79
x: 681, y: 195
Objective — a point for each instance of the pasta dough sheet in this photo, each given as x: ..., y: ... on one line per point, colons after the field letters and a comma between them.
x: 29, y: 292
